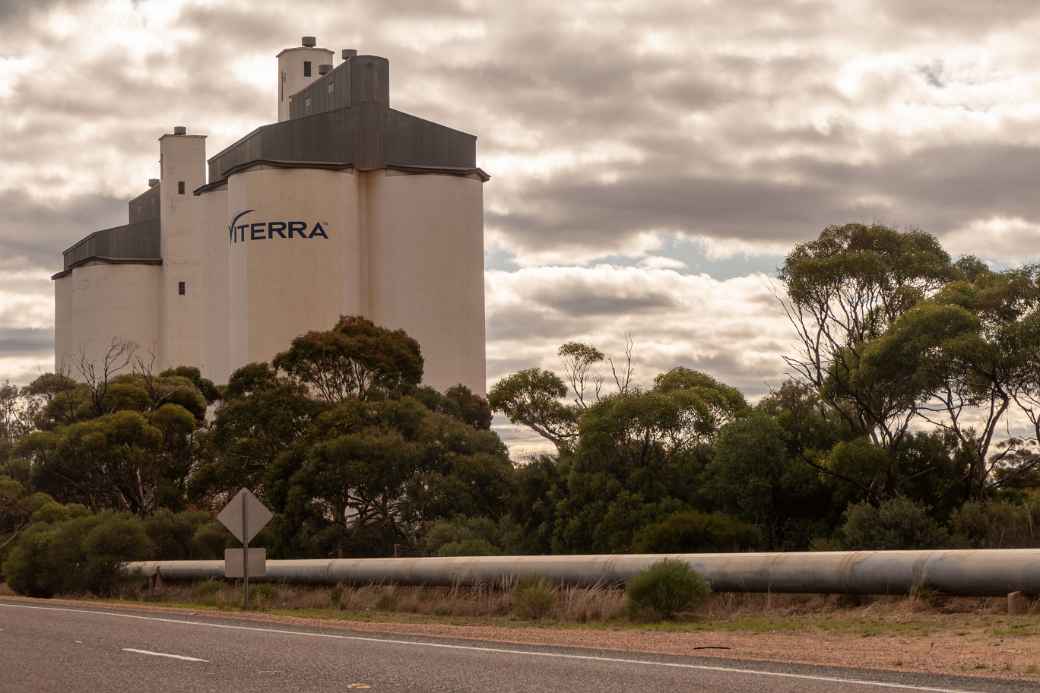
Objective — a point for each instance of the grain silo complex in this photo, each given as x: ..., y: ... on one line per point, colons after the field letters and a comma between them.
x: 344, y: 206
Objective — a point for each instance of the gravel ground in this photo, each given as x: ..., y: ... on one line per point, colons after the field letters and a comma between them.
x: 963, y: 644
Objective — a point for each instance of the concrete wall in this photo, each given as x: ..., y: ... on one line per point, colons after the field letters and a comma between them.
x: 404, y: 250
x: 215, y: 285
x: 280, y: 287
x: 96, y: 303
x: 182, y: 161
x: 426, y: 269
x: 291, y: 77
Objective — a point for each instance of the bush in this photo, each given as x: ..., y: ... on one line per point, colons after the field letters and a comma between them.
x: 173, y: 534
x: 666, y: 588
x: 693, y: 531
x: 210, y: 540
x: 336, y: 596
x: 533, y: 598
x: 206, y: 591
x: 897, y: 523
x: 468, y: 547
x: 263, y: 595
x: 115, y: 539
x: 996, y: 525
x: 76, y: 555
x: 387, y: 600
x: 463, y: 536
x: 29, y: 568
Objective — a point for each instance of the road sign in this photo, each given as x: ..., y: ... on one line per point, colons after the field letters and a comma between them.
x: 244, y: 516
x: 235, y: 568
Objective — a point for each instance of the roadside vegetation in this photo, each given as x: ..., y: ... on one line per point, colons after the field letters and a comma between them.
x: 594, y: 607
x: 910, y: 420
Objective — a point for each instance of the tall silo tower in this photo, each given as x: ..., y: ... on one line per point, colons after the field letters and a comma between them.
x: 297, y: 68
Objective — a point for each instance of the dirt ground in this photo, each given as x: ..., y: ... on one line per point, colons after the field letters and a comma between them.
x: 970, y: 637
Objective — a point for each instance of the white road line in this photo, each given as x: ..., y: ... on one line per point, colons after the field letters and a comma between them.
x: 164, y: 654
x: 496, y: 650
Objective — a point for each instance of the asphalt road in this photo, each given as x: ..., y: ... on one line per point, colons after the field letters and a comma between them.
x: 55, y: 648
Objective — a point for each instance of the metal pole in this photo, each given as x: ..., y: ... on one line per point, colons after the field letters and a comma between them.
x: 245, y: 557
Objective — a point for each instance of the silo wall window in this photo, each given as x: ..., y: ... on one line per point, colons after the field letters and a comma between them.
x: 180, y: 187
x: 306, y: 68
x: 182, y: 288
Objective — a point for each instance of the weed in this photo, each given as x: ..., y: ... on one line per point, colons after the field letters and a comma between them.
x: 666, y: 588
x: 533, y: 598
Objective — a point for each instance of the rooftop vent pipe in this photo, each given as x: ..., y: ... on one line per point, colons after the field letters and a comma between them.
x: 152, y: 182
x: 180, y: 130
x: 309, y: 41
x: 324, y: 69
x: 348, y: 53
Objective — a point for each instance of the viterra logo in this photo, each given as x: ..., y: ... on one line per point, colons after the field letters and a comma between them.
x: 269, y: 230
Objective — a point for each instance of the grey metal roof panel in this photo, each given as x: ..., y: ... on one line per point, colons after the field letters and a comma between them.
x: 107, y: 261
x: 136, y: 241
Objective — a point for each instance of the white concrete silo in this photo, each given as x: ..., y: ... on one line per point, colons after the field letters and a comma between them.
x: 294, y: 256
x: 298, y: 67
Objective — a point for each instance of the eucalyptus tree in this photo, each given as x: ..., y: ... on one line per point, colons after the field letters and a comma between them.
x: 845, y: 289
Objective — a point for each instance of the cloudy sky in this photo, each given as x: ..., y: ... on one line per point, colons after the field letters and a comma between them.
x: 652, y: 162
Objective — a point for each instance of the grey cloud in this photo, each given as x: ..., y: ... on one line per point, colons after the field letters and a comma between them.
x: 520, y: 322
x: 584, y: 211
x: 584, y: 299
x: 962, y: 17
x: 936, y: 188
x: 23, y: 341
x: 940, y: 188
x: 19, y: 10
x: 39, y: 230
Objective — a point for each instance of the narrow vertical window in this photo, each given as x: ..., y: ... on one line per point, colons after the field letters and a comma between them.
x: 182, y: 288
x: 180, y: 187
x: 306, y: 68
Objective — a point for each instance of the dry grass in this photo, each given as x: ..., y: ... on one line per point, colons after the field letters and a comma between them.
x: 604, y: 606
x: 570, y: 604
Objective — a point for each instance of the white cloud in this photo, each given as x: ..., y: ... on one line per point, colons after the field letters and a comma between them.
x: 1007, y: 240
x: 733, y: 329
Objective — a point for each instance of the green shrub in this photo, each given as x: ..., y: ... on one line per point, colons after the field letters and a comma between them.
x: 53, y: 511
x: 666, y: 588
x: 469, y: 547
x: 173, y: 534
x: 336, y: 596
x: 113, y: 540
x: 30, y: 568
x: 76, y: 555
x: 206, y: 591
x: 897, y: 523
x: 997, y: 525
x: 387, y: 600
x: 533, y: 598
x: 463, y: 536
x: 209, y: 541
x: 262, y: 595
x: 692, y: 531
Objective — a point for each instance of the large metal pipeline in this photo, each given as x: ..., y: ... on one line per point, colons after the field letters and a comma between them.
x: 990, y: 572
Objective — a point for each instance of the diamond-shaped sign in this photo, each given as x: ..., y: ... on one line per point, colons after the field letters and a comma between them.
x: 245, y: 516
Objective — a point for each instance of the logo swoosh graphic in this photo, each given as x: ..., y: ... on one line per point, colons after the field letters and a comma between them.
x: 231, y: 226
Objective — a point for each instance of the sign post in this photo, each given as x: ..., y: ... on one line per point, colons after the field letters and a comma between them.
x: 244, y: 517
